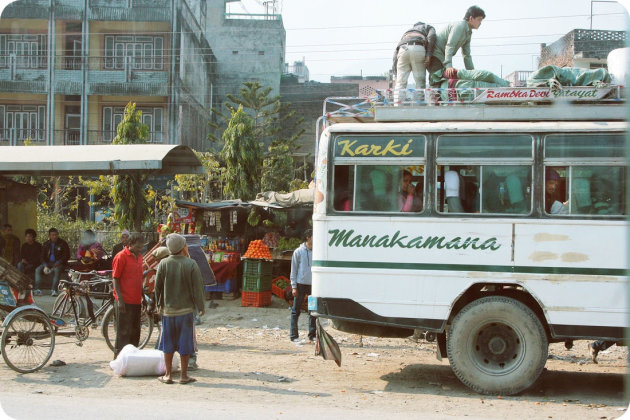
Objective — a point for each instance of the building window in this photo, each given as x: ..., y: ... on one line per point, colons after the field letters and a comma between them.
x: 22, y: 122
x: 30, y: 51
x: 145, y: 52
x: 152, y: 117
x: 261, y: 53
x: 234, y: 52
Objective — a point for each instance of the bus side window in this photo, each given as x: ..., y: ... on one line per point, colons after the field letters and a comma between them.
x: 555, y: 190
x: 343, y: 187
x: 606, y: 197
x: 581, y: 202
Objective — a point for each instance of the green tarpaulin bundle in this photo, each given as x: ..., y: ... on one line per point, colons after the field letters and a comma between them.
x: 549, y: 76
x: 467, y: 79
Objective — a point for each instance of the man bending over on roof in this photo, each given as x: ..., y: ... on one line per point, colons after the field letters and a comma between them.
x: 451, y: 38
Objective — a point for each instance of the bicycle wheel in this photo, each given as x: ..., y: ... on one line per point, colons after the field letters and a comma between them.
x: 27, y: 341
x: 146, y: 328
x: 108, y: 328
x: 63, y: 307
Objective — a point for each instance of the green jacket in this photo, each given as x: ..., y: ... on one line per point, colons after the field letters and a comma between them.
x: 178, y: 286
x: 449, y: 40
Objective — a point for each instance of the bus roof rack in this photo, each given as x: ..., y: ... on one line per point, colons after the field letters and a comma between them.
x: 479, y: 104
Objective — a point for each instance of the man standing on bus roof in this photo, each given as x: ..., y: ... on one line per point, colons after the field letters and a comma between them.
x: 301, y: 280
x: 450, y: 39
x: 412, y: 54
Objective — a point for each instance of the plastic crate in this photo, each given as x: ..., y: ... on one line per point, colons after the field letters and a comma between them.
x: 278, y: 291
x: 256, y: 268
x: 229, y: 286
x: 260, y: 283
x: 256, y: 299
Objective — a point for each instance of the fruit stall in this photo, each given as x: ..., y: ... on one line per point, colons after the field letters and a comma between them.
x: 248, y: 244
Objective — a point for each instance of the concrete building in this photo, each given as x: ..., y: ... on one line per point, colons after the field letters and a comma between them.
x: 367, y: 85
x: 518, y: 78
x: 69, y: 67
x: 298, y: 69
x: 582, y: 48
x: 308, y: 99
x: 248, y: 47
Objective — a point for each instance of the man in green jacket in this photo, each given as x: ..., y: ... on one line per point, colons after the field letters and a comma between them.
x: 451, y: 38
x: 178, y: 290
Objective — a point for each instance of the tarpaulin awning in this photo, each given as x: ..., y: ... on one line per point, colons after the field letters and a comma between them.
x: 215, y: 205
x: 271, y: 199
x: 98, y: 160
x: 284, y: 200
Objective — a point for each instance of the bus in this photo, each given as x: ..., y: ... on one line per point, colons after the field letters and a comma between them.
x: 498, y: 228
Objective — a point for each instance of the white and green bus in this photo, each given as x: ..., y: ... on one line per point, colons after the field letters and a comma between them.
x: 500, y: 229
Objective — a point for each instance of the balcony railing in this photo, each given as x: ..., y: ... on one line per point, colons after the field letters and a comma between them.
x: 68, y: 137
x: 29, y: 61
x: 18, y: 136
x: 106, y: 137
x: 252, y: 16
x: 119, y: 63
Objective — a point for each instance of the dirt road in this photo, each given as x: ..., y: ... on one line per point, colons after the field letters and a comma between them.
x: 250, y: 369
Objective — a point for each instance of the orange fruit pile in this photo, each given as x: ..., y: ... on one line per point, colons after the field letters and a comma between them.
x: 257, y: 249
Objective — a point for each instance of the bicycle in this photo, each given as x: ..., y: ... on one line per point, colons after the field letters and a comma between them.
x: 28, y: 336
x: 99, y: 292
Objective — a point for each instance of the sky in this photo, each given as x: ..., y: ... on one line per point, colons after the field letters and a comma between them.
x: 358, y: 37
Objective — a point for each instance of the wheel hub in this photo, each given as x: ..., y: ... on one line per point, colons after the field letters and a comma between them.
x: 497, y: 345
x: 498, y: 348
x: 82, y: 332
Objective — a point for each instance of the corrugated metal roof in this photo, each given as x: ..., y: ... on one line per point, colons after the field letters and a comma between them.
x: 98, y: 160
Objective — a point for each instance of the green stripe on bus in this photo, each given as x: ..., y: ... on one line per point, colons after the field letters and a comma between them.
x: 471, y: 267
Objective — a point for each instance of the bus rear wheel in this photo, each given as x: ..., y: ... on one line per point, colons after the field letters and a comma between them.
x: 497, y: 345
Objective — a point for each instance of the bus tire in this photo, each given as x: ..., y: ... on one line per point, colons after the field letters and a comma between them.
x: 497, y: 345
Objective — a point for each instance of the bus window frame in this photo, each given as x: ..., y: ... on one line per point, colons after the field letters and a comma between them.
x: 480, y: 162
x: 571, y: 162
x: 400, y: 162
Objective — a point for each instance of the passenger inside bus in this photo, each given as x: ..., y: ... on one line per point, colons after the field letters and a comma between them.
x: 454, y: 188
x: 409, y: 196
x: 462, y: 192
x: 378, y: 194
x: 603, y: 197
x: 555, y: 191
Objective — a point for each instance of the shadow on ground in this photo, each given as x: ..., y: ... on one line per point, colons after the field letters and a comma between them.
x: 585, y: 387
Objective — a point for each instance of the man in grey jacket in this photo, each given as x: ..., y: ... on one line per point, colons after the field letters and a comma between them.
x: 178, y: 291
x: 301, y: 264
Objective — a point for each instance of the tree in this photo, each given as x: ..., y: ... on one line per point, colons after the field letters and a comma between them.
x: 200, y: 188
x: 242, y: 156
x: 131, y: 208
x: 277, y: 170
x: 274, y: 123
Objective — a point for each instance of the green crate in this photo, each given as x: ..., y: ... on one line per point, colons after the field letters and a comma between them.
x: 256, y: 283
x: 257, y: 268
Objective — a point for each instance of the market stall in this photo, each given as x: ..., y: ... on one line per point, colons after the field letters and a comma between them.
x: 228, y: 228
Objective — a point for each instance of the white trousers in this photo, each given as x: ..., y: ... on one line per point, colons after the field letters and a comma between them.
x: 410, y: 60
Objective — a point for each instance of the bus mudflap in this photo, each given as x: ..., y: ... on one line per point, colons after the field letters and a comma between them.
x: 326, y: 346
